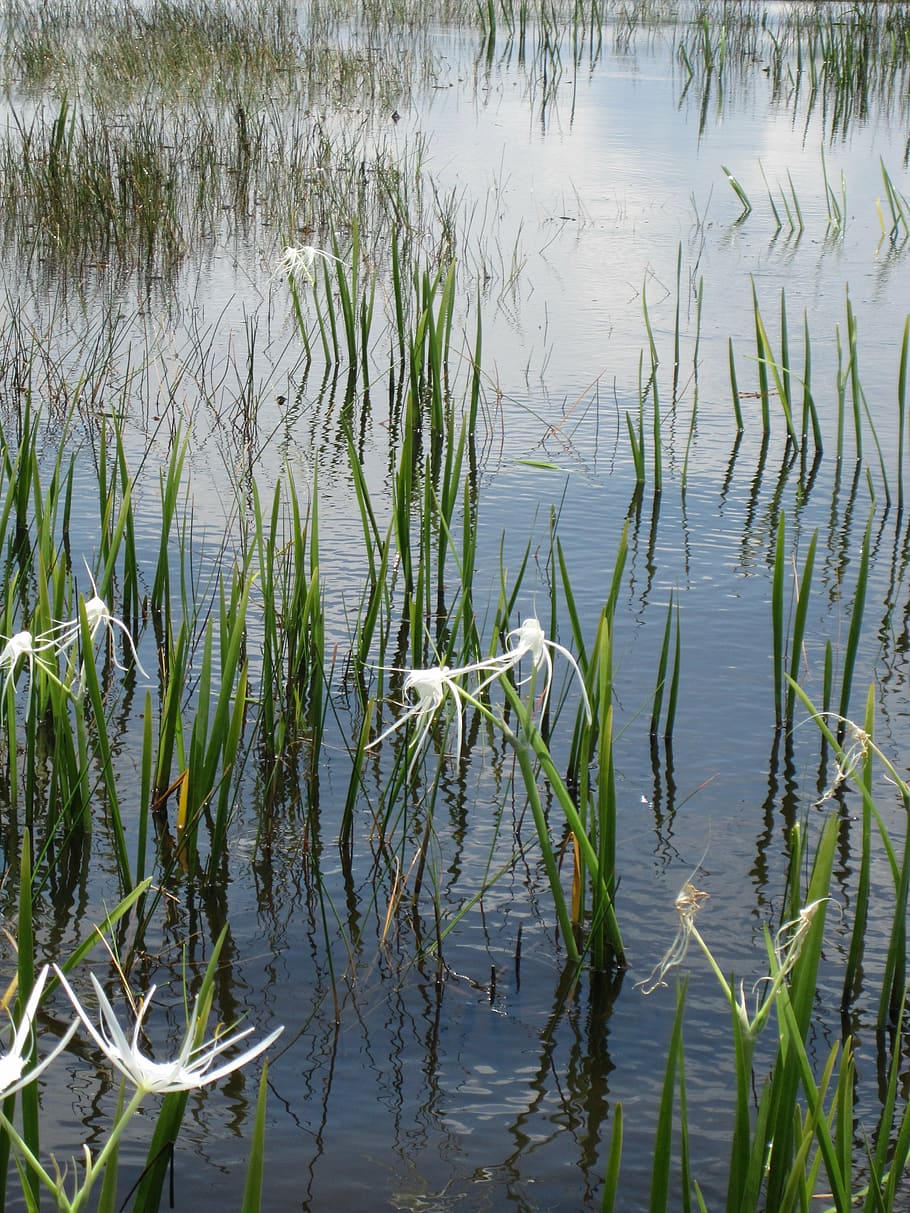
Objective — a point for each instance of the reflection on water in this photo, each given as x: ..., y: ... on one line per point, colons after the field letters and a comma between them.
x: 443, y: 1057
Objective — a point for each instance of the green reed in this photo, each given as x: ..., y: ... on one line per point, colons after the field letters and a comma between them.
x: 661, y: 1167
x: 778, y: 366
x: 252, y: 1188
x: 734, y: 387
x: 853, y: 376
x: 902, y: 412
x: 784, y: 1177
x: 781, y: 644
x: 171, y: 485
x: 651, y: 386
x: 740, y: 193
x: 852, y: 748
x: 670, y: 650
x: 836, y: 201
x: 614, y: 1163
x: 854, y: 631
x: 887, y: 1166
x: 853, y: 968
x: 899, y: 210
x: 375, y: 613
x: 637, y: 444
x: 809, y: 410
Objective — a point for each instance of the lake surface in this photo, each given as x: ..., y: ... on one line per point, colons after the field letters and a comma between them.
x: 588, y: 199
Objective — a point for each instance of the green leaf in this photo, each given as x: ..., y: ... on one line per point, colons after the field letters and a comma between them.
x: 252, y: 1191
x: 611, y: 1179
x: 543, y: 464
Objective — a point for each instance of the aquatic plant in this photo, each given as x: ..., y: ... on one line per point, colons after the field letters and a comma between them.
x: 434, y: 686
x: 189, y: 1070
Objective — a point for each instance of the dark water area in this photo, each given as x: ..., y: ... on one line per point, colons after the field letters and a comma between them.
x: 446, y: 1057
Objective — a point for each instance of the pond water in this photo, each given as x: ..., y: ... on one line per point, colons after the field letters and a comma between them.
x: 586, y: 199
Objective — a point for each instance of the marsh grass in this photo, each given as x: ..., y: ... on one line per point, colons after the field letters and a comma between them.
x: 806, y: 1112
x: 812, y: 59
x: 186, y: 45
x: 163, y: 132
x: 86, y: 185
x: 231, y: 677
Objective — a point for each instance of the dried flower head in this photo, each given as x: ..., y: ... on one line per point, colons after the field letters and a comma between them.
x: 688, y: 902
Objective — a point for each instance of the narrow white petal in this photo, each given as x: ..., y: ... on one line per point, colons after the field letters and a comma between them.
x: 115, y: 1033
x: 237, y: 1063
x: 24, y: 1030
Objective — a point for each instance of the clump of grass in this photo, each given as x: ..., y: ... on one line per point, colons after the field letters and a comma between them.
x: 809, y: 1116
x: 898, y: 209
x: 186, y: 48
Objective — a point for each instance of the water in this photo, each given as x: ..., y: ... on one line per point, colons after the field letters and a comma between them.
x: 490, y: 1078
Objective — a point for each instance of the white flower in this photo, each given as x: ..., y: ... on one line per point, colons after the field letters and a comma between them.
x: 97, y: 616
x: 530, y: 640
x: 430, y: 688
x: 13, y: 1063
x: 300, y: 260
x: 189, y: 1070
x: 30, y: 649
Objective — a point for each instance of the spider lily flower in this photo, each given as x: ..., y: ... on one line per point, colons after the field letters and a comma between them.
x: 299, y: 260
x: 13, y: 1063
x: 23, y: 646
x: 97, y: 616
x: 430, y: 688
x: 191, y: 1069
x: 530, y: 640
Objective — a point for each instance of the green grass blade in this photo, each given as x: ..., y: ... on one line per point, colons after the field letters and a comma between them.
x: 663, y: 1151
x: 614, y: 1161
x: 252, y: 1189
